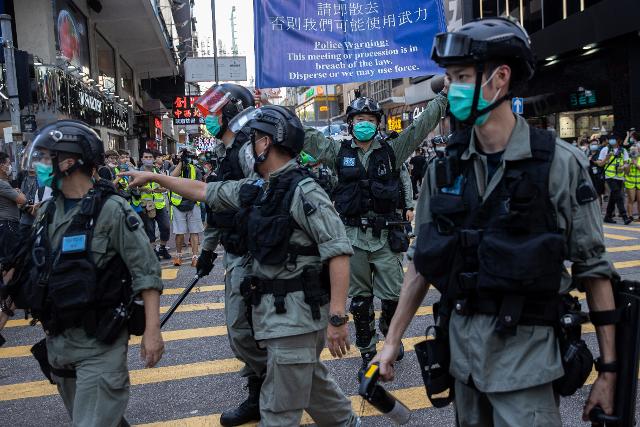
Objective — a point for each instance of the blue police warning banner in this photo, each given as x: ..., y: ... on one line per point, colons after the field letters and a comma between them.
x: 311, y: 42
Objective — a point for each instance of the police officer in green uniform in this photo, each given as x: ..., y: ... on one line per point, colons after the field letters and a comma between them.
x: 367, y: 198
x: 233, y: 165
x: 299, y: 272
x: 87, y: 265
x: 500, y: 213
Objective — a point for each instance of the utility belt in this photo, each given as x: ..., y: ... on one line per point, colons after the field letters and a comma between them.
x: 313, y: 282
x: 376, y: 223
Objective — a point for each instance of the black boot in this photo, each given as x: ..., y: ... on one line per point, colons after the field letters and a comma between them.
x: 249, y: 410
x: 388, y: 309
x: 163, y: 252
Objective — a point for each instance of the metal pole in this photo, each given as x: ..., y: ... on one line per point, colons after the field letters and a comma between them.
x: 215, y: 42
x: 12, y: 82
x: 326, y: 98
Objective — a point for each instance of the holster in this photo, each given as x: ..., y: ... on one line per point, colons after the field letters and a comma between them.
x: 434, y: 356
x: 39, y: 351
x: 247, y: 292
x: 315, y: 294
x: 111, y: 324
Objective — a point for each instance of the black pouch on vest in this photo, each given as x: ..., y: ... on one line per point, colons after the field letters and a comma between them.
x: 348, y: 199
x: 520, y: 263
x: 434, y: 254
x: 385, y: 196
x: 577, y: 362
x: 270, y: 239
x: 72, y: 284
x: 136, y: 323
x: 111, y: 324
x: 434, y: 356
x: 398, y: 240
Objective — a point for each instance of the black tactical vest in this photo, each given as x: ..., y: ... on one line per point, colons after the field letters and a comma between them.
x: 229, y: 169
x: 266, y: 222
x: 360, y: 190
x: 66, y: 289
x: 504, y: 256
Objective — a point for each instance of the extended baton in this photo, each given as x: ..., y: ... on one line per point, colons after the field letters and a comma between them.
x: 179, y: 300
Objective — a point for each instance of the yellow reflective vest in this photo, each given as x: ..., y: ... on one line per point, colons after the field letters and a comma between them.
x: 632, y: 179
x: 147, y: 193
x: 176, y: 199
x: 614, y: 168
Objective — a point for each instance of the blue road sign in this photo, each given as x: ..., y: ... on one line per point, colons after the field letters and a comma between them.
x: 517, y: 105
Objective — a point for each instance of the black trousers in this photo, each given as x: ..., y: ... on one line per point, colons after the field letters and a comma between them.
x: 616, y: 198
x: 416, y: 181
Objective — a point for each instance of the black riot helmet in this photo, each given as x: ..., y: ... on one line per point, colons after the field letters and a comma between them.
x: 364, y: 105
x: 487, y: 41
x: 225, y: 101
x: 74, y: 137
x: 283, y: 126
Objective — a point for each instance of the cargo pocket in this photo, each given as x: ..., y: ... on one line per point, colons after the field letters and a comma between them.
x: 292, y: 370
x: 113, y: 394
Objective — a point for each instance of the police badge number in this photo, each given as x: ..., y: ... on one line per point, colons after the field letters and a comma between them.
x: 349, y: 161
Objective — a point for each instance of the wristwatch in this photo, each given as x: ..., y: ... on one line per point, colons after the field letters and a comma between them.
x: 605, y: 367
x: 337, y: 320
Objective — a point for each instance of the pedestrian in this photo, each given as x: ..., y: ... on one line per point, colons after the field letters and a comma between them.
x: 35, y: 194
x: 367, y: 199
x: 596, y: 172
x: 154, y: 208
x: 233, y: 165
x: 10, y: 201
x: 612, y: 159
x: 287, y: 295
x: 632, y: 181
x: 504, y: 365
x: 418, y: 164
x: 102, y: 264
x: 185, y: 213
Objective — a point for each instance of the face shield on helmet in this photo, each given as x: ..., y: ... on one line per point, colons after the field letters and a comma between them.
x: 39, y: 160
x: 241, y: 120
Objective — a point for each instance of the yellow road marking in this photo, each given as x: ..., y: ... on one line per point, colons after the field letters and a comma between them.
x: 624, y: 248
x: 626, y: 264
x: 623, y: 228
x: 197, y: 289
x: 618, y: 237
x: 169, y: 273
x: 177, y: 335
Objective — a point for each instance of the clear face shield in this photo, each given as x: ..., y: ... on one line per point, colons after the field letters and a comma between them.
x: 241, y: 120
x: 40, y: 161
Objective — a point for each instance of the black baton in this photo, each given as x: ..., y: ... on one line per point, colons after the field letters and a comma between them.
x: 179, y: 300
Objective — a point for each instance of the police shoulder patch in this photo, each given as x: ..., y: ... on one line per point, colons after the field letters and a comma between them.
x: 585, y: 193
x: 349, y: 161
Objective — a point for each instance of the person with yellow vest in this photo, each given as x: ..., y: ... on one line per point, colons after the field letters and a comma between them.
x: 185, y: 213
x: 632, y: 181
x: 154, y: 208
x: 613, y: 159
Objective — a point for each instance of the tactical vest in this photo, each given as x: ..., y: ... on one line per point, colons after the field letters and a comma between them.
x: 229, y: 169
x: 505, y: 256
x: 360, y: 190
x: 65, y: 288
x: 265, y: 221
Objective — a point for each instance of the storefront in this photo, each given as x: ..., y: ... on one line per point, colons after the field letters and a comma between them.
x: 317, y: 105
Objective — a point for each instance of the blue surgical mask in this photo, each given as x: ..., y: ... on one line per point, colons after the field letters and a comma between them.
x: 612, y: 142
x: 213, y: 125
x: 594, y: 147
x: 364, y: 131
x: 460, y: 97
x: 44, y: 174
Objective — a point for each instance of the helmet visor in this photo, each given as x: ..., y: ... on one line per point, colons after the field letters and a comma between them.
x: 361, y: 104
x: 213, y: 101
x: 451, y: 45
x: 35, y: 154
x: 241, y: 120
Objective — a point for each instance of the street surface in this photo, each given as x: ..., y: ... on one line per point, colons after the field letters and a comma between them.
x: 197, y: 377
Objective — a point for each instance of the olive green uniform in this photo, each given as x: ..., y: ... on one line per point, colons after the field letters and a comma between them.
x: 407, y: 188
x: 241, y: 339
x: 295, y: 378
x: 99, y: 394
x: 512, y: 375
x: 375, y: 269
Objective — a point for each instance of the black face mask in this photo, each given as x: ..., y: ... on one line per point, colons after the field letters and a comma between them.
x: 259, y: 158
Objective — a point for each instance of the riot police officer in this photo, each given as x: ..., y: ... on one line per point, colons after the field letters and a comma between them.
x: 102, y: 272
x: 502, y: 211
x: 299, y: 272
x: 367, y: 199
x: 224, y: 103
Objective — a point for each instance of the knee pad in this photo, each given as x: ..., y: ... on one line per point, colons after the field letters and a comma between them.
x: 388, y: 309
x: 362, y: 310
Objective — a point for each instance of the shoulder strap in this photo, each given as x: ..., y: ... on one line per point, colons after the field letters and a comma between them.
x: 392, y: 157
x: 543, y: 144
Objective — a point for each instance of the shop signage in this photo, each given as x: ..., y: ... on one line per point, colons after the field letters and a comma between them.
x: 86, y: 100
x: 185, y: 111
x: 28, y: 123
x: 582, y: 99
x: 394, y: 123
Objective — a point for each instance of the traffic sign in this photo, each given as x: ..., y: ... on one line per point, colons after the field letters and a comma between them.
x: 517, y: 105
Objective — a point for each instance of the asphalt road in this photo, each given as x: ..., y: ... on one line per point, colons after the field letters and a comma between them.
x: 197, y: 378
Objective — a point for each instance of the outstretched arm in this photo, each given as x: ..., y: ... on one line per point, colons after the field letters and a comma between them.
x: 187, y: 188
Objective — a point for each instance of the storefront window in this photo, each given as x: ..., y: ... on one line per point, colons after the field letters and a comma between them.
x: 126, y: 77
x: 72, y: 43
x: 106, y: 63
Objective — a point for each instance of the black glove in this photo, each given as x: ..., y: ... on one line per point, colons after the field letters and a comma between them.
x: 205, y: 262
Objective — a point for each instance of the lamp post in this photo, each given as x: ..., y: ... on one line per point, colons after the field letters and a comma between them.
x: 12, y: 82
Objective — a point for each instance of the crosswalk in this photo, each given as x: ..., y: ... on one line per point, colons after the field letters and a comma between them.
x: 197, y: 368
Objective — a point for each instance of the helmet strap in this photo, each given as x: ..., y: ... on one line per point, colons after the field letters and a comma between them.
x: 475, y: 113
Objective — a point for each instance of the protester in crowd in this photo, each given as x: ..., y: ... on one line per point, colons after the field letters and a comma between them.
x: 613, y: 158
x: 111, y: 159
x: 35, y: 194
x: 418, y: 163
x: 632, y: 181
x: 154, y: 208
x: 185, y: 214
x: 596, y: 172
x: 10, y: 200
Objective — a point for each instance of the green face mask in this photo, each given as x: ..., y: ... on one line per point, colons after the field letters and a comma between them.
x: 364, y: 131
x: 460, y: 97
x: 213, y: 125
x: 44, y: 174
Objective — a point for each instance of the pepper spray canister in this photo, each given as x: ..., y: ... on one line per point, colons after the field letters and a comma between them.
x: 381, y: 399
